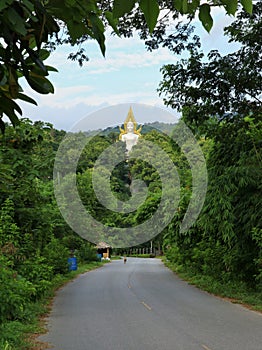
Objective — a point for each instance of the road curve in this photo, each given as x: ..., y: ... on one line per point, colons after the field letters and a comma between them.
x: 143, y: 305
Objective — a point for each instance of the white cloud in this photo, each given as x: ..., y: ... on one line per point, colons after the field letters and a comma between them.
x: 121, y: 53
x: 65, y: 98
x: 124, y: 60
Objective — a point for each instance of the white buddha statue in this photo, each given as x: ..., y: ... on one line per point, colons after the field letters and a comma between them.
x: 130, y: 138
x: 129, y: 135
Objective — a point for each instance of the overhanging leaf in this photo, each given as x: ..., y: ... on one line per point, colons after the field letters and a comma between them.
x: 112, y: 21
x: 120, y: 7
x: 43, y: 54
x: 17, y: 21
x: 184, y: 6
x: 192, y: 6
x: 231, y: 6
x: 36, y: 58
x: 39, y: 83
x: 248, y: 5
x: 13, y: 85
x: 178, y: 4
x: 205, y: 17
x: 5, y: 4
x: 8, y: 107
x: 98, y: 29
x: 150, y: 9
x: 76, y: 29
x: 29, y: 5
x: 51, y: 69
x: 26, y: 98
x: 2, y: 125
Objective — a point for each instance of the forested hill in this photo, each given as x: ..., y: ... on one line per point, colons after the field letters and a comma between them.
x: 164, y: 127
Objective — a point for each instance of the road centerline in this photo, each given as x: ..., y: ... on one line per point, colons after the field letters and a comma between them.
x: 146, y: 306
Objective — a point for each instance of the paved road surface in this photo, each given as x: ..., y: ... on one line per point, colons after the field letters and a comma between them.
x: 144, y: 306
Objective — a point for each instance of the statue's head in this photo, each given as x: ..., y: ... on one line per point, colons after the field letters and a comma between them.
x: 130, y: 126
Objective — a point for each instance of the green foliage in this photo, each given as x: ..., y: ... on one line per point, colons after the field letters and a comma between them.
x: 35, y: 241
x: 257, y: 238
x: 220, y: 100
x: 205, y: 17
x: 86, y: 253
x: 218, y: 86
x: 10, y: 236
x: 25, y: 152
x: 150, y: 9
x: 120, y: 7
x: 236, y: 290
x: 145, y: 256
x: 15, y: 293
x: 10, y: 335
x: 39, y: 271
x: 225, y: 242
x: 57, y: 254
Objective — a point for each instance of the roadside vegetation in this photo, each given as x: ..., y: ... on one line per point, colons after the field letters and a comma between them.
x: 234, y: 291
x: 220, y: 99
x: 22, y: 331
x: 35, y: 242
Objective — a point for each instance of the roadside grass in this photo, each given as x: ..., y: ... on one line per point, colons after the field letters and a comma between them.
x: 22, y: 335
x: 233, y: 291
x: 142, y: 256
x: 116, y: 257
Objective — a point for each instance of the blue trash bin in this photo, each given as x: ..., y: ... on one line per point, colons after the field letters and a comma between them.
x: 72, y: 262
x: 99, y: 257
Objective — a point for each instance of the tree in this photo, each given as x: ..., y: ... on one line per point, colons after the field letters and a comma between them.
x: 31, y: 28
x: 29, y: 167
x: 232, y: 211
x: 220, y: 99
x: 223, y: 87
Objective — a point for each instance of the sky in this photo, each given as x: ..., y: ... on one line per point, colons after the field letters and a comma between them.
x: 128, y: 76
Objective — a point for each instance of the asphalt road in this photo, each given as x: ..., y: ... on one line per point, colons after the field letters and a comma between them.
x: 143, y: 305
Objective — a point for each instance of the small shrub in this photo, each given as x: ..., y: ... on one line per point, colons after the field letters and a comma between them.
x: 11, y: 335
x: 57, y: 254
x: 39, y: 272
x: 15, y: 293
x: 86, y: 253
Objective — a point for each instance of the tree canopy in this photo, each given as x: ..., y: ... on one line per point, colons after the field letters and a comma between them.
x: 220, y: 98
x: 30, y: 29
x: 217, y: 86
